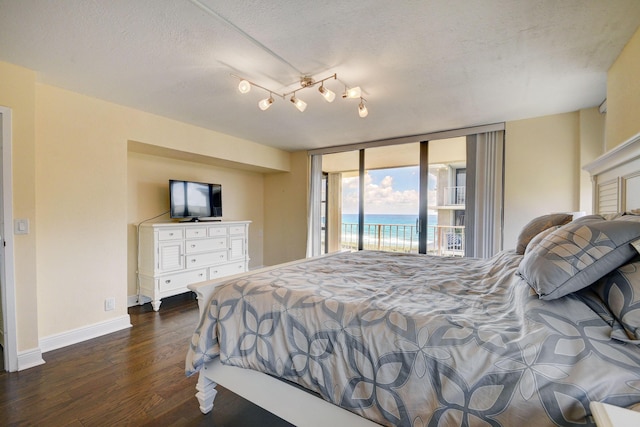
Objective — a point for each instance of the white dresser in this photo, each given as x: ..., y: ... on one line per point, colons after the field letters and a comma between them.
x: 173, y: 255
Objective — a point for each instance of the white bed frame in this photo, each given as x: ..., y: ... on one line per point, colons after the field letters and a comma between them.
x: 616, y: 178
x: 616, y: 187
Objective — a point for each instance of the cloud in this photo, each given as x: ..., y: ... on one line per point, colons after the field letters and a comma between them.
x: 380, y: 197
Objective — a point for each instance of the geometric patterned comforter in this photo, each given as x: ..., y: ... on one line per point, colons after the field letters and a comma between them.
x: 416, y: 340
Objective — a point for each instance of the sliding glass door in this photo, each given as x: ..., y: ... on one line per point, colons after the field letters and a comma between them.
x: 422, y: 196
x: 447, y: 197
x: 374, y: 196
x: 342, y: 200
x: 392, y: 198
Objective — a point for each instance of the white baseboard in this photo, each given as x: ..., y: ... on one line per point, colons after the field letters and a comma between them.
x: 75, y: 336
x: 132, y: 300
x: 29, y: 358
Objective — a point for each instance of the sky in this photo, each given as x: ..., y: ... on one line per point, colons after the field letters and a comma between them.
x: 387, y: 191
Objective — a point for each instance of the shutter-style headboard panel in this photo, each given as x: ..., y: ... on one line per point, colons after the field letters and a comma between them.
x: 632, y: 191
x: 607, y: 197
x: 616, y: 178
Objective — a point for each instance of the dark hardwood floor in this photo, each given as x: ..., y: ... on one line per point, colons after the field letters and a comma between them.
x: 133, y: 377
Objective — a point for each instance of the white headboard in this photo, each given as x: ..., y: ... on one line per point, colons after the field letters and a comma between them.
x: 616, y: 178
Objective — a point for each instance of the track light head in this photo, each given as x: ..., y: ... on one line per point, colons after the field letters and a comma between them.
x: 299, y: 103
x: 362, y: 109
x: 352, y: 93
x: 244, y: 86
x: 328, y: 95
x: 265, y: 103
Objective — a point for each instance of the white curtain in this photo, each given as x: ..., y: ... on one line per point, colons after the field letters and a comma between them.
x: 486, y: 219
x: 314, y: 226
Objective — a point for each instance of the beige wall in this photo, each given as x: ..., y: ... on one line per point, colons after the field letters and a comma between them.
x: 17, y: 91
x: 591, y: 146
x: 285, y: 212
x: 148, y: 196
x: 541, y: 170
x: 623, y: 95
x: 81, y: 209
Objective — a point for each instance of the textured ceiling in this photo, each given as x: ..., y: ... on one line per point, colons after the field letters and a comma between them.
x: 424, y: 66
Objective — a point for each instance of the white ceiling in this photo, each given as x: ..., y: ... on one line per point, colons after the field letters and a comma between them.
x: 424, y: 66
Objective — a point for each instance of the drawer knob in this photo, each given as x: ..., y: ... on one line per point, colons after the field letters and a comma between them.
x: 167, y: 281
x: 215, y: 272
x: 193, y: 246
x: 193, y: 260
x: 170, y: 234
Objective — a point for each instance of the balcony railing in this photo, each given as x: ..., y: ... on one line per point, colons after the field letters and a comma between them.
x: 442, y: 240
x: 454, y: 196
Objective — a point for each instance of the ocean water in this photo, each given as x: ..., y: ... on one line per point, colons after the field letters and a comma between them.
x: 387, y: 219
x: 386, y: 231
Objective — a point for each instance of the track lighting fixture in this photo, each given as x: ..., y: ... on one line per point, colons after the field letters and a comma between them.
x: 305, y: 82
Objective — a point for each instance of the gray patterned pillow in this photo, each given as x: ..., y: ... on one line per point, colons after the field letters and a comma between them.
x: 539, y: 237
x: 577, y: 254
x: 629, y: 216
x: 620, y: 290
x: 538, y: 225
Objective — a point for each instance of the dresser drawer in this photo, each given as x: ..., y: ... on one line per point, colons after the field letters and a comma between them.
x: 194, y: 233
x: 236, y: 229
x: 208, y: 258
x: 203, y: 245
x: 220, y: 230
x: 181, y: 280
x: 226, y: 270
x: 171, y: 234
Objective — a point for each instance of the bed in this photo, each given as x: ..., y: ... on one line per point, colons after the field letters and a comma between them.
x: 370, y: 338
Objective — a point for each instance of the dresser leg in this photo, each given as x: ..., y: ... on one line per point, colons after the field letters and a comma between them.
x: 156, y: 304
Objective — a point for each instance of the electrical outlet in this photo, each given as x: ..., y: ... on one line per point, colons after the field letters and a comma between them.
x: 109, y: 304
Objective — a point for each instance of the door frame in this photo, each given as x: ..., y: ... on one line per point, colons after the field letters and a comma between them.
x: 7, y: 280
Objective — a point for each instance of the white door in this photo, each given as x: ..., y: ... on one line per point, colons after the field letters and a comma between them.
x: 7, y: 283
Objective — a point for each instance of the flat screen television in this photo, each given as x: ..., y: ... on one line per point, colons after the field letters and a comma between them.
x: 195, y: 201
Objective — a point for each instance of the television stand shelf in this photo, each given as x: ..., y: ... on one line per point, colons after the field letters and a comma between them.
x: 173, y: 255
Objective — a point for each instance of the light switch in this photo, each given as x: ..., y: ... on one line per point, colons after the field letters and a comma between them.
x: 21, y: 226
